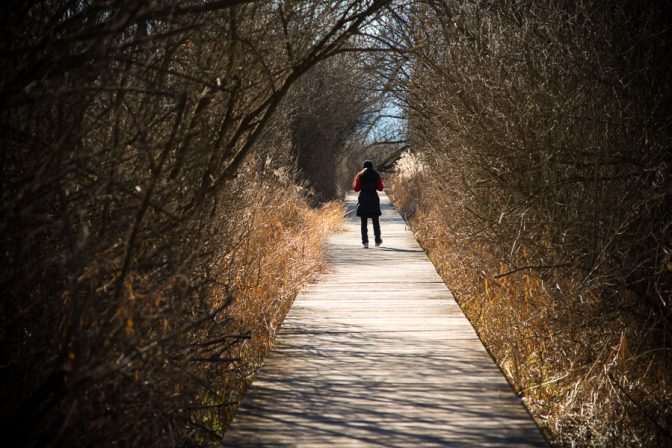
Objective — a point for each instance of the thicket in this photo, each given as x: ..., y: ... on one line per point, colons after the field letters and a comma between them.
x: 159, y: 159
x: 322, y: 129
x: 152, y: 230
x: 540, y: 182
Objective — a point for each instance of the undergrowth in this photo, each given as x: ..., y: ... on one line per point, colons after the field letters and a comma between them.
x: 279, y: 249
x: 590, y: 374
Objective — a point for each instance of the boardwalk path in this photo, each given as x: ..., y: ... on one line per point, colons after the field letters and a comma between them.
x: 379, y: 354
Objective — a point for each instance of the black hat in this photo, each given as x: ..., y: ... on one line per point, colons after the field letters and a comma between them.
x: 368, y: 164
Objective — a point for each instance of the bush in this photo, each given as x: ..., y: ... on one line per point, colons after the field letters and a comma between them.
x: 145, y: 165
x: 544, y: 134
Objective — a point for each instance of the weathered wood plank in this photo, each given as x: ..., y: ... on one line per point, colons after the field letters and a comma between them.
x: 378, y: 353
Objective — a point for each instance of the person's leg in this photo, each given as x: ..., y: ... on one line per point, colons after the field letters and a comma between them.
x: 376, y: 229
x: 365, y: 236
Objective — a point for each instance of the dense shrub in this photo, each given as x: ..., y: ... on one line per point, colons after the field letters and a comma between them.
x: 334, y: 105
x: 147, y: 191
x: 542, y: 189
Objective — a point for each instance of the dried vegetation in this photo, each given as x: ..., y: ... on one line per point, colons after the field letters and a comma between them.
x: 156, y: 220
x: 154, y: 228
x: 540, y: 184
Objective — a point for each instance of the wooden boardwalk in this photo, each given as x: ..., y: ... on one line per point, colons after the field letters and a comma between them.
x: 379, y: 354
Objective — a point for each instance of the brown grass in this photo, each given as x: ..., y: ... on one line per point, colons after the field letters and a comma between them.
x: 590, y: 374
x: 283, y: 254
x: 281, y: 249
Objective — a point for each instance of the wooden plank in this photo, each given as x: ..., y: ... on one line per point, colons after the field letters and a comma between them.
x: 378, y: 353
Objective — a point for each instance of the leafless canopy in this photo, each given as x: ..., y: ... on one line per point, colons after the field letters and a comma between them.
x: 132, y: 134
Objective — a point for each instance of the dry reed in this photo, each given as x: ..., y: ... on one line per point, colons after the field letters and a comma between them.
x: 591, y: 375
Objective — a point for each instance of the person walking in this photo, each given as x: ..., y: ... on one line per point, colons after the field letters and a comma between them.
x: 366, y: 183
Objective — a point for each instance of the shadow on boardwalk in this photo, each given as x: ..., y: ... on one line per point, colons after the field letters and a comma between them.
x: 379, y: 354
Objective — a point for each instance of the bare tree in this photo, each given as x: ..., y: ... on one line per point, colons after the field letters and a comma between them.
x: 544, y: 132
x: 133, y: 137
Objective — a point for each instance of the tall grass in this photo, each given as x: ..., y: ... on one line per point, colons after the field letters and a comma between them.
x: 281, y: 249
x: 152, y: 229
x: 590, y: 374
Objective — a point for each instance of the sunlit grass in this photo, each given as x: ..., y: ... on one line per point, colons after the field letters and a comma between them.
x: 588, y: 373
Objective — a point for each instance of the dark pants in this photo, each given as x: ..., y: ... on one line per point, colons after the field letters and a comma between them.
x: 376, y: 229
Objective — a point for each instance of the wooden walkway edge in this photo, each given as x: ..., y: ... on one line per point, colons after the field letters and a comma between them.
x: 379, y: 354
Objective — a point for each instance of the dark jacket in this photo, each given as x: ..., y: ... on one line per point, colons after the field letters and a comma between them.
x: 367, y: 182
